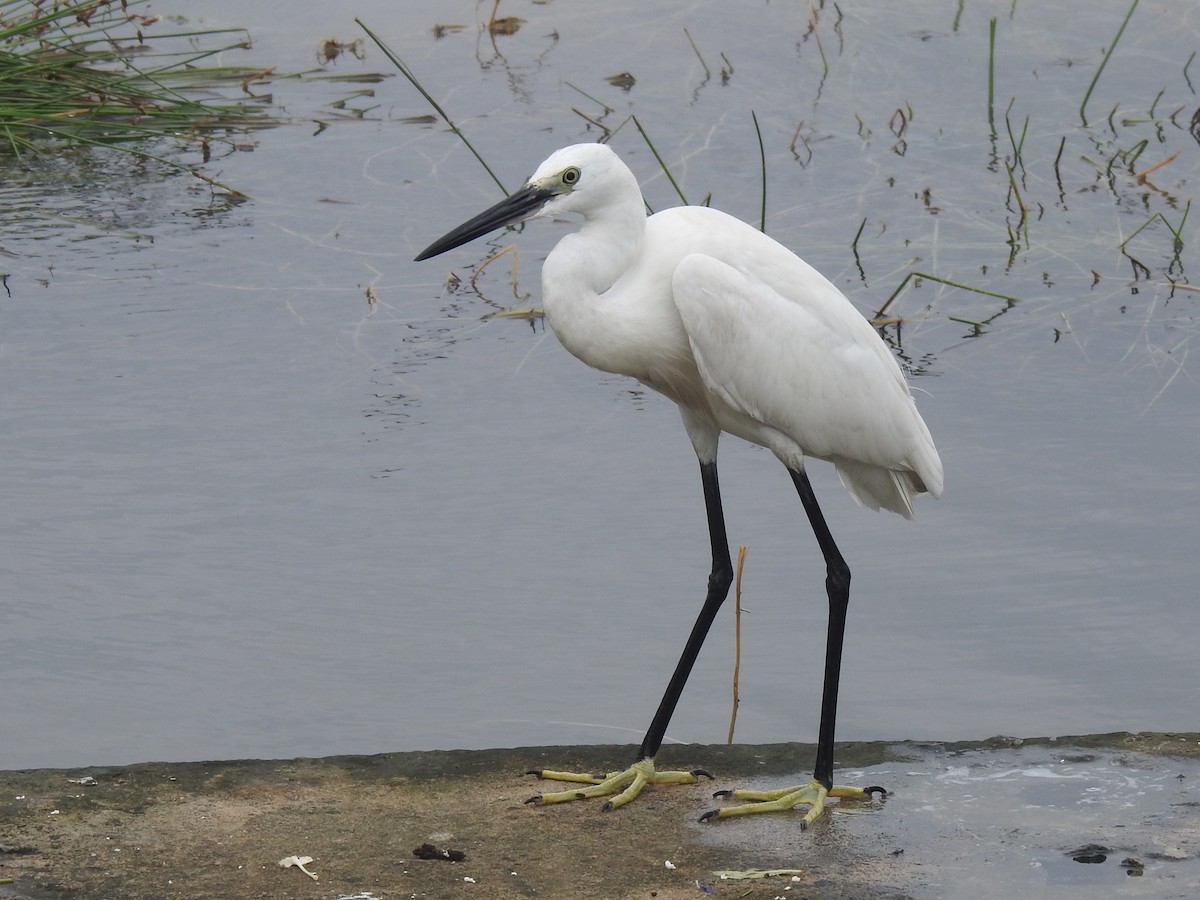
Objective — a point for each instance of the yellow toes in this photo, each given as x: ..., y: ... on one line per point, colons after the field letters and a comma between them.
x: 813, y: 795
x: 620, y: 786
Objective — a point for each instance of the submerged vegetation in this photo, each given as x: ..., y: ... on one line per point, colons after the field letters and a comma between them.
x: 898, y: 125
x: 108, y: 73
x: 1058, y: 145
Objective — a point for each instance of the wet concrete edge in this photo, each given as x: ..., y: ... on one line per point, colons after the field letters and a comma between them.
x: 420, y: 788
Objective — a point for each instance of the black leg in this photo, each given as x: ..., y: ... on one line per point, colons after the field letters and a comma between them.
x: 624, y: 786
x: 718, y: 589
x: 837, y: 586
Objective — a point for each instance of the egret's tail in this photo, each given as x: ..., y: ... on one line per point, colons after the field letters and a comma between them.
x: 878, y: 488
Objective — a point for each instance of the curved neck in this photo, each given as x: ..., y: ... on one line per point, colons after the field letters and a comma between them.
x: 589, y: 261
x: 577, y: 278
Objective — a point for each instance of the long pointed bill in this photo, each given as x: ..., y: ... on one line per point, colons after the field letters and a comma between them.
x: 513, y: 208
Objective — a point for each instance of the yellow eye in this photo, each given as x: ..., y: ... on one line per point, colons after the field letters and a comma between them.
x: 570, y: 176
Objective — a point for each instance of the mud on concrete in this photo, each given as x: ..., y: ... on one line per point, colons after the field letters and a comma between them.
x: 219, y: 829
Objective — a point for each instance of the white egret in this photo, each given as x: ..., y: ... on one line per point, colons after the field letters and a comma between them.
x: 747, y: 339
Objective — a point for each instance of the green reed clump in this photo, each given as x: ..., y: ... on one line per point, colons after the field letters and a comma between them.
x: 86, y: 73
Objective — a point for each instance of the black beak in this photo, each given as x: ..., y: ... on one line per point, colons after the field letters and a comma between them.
x: 514, y: 208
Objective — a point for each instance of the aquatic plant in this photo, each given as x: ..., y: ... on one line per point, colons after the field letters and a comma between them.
x: 87, y: 73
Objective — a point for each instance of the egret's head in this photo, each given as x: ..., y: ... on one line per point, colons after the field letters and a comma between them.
x: 577, y: 178
x: 572, y: 179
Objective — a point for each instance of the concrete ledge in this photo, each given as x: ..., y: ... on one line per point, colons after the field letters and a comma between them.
x: 218, y: 829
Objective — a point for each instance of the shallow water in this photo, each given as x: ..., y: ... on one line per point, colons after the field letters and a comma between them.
x: 999, y: 821
x: 246, y: 513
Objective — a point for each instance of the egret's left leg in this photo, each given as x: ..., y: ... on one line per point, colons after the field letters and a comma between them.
x: 628, y: 784
x: 621, y: 786
x: 837, y: 587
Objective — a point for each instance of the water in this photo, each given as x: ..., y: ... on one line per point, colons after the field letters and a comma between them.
x: 246, y: 513
x: 1046, y: 820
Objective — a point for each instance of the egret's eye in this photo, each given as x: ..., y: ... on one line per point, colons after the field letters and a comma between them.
x: 570, y: 176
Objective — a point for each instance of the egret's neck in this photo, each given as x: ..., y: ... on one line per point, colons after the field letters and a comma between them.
x: 607, y: 294
x: 587, y: 263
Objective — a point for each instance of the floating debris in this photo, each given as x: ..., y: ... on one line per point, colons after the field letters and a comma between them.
x: 505, y: 25
x: 429, y: 851
x: 299, y: 862
x: 741, y: 874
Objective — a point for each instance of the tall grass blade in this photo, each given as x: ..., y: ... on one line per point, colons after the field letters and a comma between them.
x: 762, y: 162
x: 412, y: 79
x: 1104, y: 62
x: 662, y: 164
x: 966, y: 287
x: 699, y: 56
x: 992, y: 73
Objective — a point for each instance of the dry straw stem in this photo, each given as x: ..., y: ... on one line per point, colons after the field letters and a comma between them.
x: 737, y: 638
x: 1141, y: 176
x: 511, y: 248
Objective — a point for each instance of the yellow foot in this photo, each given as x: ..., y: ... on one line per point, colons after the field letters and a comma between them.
x: 625, y: 785
x: 812, y: 795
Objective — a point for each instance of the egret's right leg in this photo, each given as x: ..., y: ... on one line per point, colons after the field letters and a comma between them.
x: 813, y: 795
x: 628, y: 784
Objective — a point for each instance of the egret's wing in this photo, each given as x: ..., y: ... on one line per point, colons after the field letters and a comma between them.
x: 808, y: 366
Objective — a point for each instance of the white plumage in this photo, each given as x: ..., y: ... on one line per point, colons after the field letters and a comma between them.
x: 748, y: 339
x: 735, y: 328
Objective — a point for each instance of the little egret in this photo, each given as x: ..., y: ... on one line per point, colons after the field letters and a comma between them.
x: 747, y: 339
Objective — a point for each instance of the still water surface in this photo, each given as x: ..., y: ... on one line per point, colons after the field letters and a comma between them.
x: 247, y: 514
